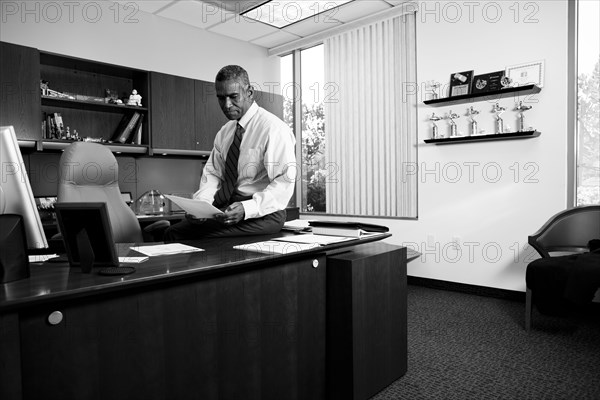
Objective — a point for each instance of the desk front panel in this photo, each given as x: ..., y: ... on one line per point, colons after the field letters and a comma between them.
x: 255, y: 334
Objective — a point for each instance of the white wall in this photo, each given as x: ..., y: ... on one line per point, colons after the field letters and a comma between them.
x: 95, y: 30
x: 491, y: 195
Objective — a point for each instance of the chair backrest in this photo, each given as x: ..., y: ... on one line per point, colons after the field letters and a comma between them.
x: 569, y: 230
x: 89, y: 172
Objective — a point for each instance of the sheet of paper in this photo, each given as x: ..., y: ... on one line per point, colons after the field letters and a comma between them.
x: 165, y: 249
x: 133, y: 260
x: 312, y: 238
x: 276, y: 247
x: 41, y: 258
x: 296, y: 225
x: 198, y: 208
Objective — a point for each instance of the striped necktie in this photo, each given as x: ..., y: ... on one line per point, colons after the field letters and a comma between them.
x: 229, y: 179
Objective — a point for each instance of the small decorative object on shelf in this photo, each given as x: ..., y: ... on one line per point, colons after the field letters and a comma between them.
x: 134, y: 99
x: 522, y: 108
x: 452, y: 116
x: 506, y: 82
x: 433, y: 119
x: 499, y: 122
x: 471, y: 113
x: 434, y: 86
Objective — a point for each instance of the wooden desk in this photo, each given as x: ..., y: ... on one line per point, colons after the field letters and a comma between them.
x: 217, y: 324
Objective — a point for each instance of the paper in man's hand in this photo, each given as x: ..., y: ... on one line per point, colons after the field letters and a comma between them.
x: 197, y: 208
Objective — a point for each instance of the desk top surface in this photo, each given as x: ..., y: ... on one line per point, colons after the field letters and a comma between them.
x: 51, y: 282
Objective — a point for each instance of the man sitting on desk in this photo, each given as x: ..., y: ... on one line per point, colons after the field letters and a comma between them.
x: 251, y: 171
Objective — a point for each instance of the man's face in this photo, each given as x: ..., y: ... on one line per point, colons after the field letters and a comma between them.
x: 234, y: 98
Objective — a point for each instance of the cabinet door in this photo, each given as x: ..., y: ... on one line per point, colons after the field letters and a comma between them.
x: 20, y: 90
x: 172, y: 112
x: 209, y: 117
x: 270, y: 101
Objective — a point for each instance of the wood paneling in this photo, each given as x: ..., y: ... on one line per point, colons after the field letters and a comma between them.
x: 209, y: 116
x: 366, y: 320
x: 20, y: 90
x: 172, y: 112
x: 258, y: 334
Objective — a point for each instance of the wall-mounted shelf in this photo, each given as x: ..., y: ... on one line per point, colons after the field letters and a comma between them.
x: 494, y: 95
x: 484, y: 138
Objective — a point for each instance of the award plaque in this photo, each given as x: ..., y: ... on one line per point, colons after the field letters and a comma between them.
x: 460, y: 83
x: 487, y: 82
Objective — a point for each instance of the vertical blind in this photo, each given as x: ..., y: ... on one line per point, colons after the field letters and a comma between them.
x: 372, y: 122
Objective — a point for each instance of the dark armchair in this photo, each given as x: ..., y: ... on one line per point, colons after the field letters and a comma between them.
x: 560, y: 243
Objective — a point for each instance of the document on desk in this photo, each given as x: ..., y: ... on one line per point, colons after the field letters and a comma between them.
x: 276, y: 247
x: 165, y: 249
x: 315, y: 239
x: 197, y: 208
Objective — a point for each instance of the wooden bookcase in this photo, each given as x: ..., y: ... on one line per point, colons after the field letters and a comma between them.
x: 87, y: 110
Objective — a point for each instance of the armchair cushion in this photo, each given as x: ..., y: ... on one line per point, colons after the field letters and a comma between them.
x: 560, y: 282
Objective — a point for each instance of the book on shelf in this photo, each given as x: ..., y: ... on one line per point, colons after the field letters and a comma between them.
x: 125, y: 128
x: 59, y: 125
x: 349, y: 229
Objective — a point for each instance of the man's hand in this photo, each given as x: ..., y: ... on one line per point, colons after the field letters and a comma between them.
x: 232, y: 214
x: 194, y: 220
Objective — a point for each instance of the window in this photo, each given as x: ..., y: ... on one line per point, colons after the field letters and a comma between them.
x: 314, y: 166
x: 588, y: 108
x: 353, y: 121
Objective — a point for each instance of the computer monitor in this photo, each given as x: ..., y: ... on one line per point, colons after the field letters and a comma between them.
x: 16, y: 196
x: 87, y: 235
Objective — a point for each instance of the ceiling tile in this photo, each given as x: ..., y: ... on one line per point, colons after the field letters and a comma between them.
x: 196, y: 13
x: 358, y: 9
x: 397, y: 2
x: 243, y: 28
x: 275, y: 39
x: 310, y: 26
x: 149, y: 6
x: 238, y: 6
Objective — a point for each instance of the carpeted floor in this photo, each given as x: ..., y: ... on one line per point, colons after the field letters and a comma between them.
x: 463, y: 346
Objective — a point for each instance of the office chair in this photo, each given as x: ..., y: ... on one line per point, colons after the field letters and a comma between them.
x: 88, y: 172
x: 567, y: 232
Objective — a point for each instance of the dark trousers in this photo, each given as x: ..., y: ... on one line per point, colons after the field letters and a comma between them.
x: 210, y: 228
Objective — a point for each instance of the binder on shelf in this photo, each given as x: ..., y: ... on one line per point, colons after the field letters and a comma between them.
x: 125, y: 128
x: 351, y: 229
x: 136, y: 136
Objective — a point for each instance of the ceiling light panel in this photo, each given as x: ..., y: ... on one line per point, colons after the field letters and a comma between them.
x: 280, y: 13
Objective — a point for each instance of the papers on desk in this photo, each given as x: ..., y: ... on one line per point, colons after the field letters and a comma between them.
x: 132, y: 260
x: 296, y: 225
x: 197, y: 208
x: 40, y: 258
x: 165, y: 249
x: 314, y: 239
x: 292, y: 244
x: 276, y: 247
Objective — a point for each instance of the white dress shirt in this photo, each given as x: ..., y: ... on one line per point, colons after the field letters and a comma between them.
x: 266, y: 166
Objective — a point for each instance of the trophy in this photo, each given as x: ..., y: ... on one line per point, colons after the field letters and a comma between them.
x: 433, y: 119
x: 499, y: 122
x: 434, y: 86
x: 522, y: 108
x: 452, y: 116
x: 471, y: 113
